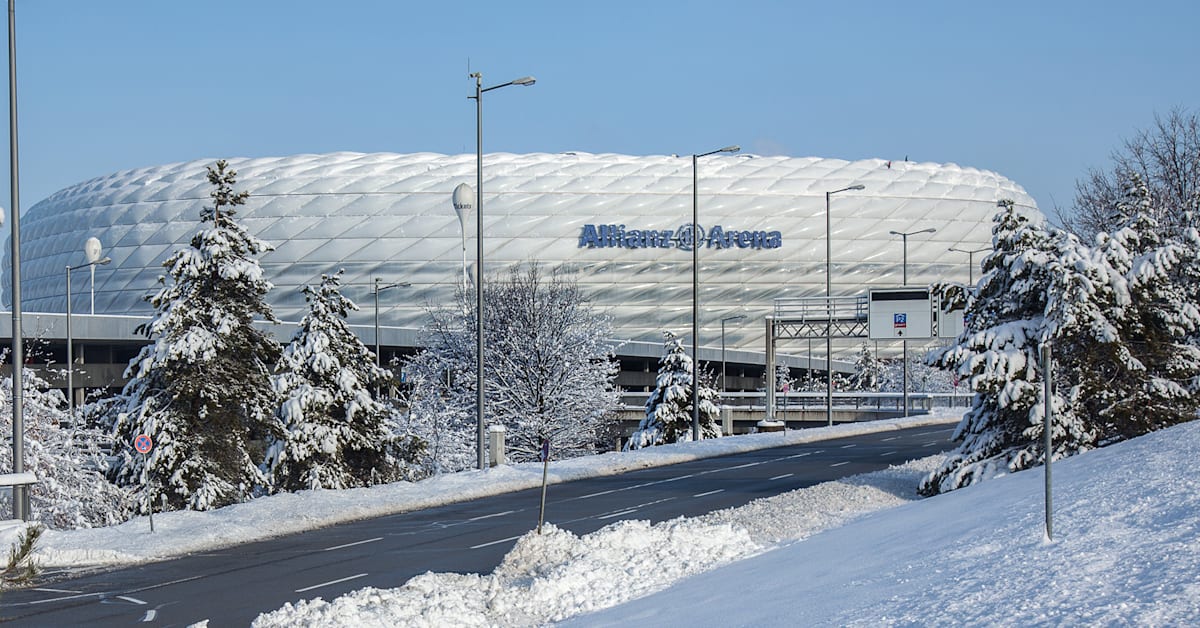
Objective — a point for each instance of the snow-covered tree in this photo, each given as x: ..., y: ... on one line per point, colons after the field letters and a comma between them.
x: 998, y: 354
x: 549, y: 370
x: 67, y: 459
x: 866, y: 370
x: 202, y: 389
x: 669, y: 409
x: 335, y: 433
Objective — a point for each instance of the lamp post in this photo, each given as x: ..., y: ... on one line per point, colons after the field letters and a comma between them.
x: 479, y: 90
x: 696, y: 235
x: 904, y: 343
x: 723, y: 321
x: 90, y: 251
x: 378, y: 288
x: 970, y: 261
x: 829, y: 304
x: 462, y: 204
x: 20, y: 494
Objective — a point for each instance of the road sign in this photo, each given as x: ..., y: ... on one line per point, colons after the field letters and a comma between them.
x: 143, y: 444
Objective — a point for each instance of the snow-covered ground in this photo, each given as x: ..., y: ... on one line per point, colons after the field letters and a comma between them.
x: 1126, y: 551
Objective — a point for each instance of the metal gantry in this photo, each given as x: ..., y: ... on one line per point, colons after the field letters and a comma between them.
x: 808, y: 318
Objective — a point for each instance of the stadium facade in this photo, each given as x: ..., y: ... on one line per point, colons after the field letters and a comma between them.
x: 619, y: 225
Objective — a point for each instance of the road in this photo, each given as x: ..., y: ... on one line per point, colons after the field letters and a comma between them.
x: 231, y: 587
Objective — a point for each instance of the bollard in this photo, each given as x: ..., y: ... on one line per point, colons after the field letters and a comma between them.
x: 727, y: 420
x: 495, y: 445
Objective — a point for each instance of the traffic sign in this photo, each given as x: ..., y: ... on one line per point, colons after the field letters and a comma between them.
x: 143, y: 444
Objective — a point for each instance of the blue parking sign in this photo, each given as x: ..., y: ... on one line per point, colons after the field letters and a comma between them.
x: 899, y: 321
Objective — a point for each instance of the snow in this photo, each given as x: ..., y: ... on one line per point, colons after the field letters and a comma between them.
x: 861, y: 551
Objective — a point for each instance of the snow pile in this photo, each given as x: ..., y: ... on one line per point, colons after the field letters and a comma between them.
x: 557, y: 575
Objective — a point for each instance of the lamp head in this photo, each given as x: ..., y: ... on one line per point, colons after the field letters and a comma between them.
x: 730, y: 149
x: 106, y: 260
x: 857, y: 186
x: 525, y: 80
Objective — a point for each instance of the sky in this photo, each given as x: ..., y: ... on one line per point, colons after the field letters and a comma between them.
x: 1039, y: 92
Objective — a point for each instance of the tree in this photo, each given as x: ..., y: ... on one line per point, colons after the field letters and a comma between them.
x: 998, y: 354
x: 335, y: 433
x: 1166, y: 157
x: 202, y: 389
x: 866, y: 370
x: 669, y: 409
x: 549, y: 370
x: 71, y: 491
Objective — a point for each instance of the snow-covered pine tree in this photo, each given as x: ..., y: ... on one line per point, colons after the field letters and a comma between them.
x: 866, y: 370
x: 998, y: 354
x: 548, y: 371
x: 335, y: 433
x: 1126, y: 330
x: 202, y: 389
x: 669, y: 409
x: 72, y: 491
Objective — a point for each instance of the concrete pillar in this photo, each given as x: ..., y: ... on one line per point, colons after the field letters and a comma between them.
x: 496, y: 445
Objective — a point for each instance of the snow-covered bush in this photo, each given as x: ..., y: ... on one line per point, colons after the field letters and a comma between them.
x: 335, y: 433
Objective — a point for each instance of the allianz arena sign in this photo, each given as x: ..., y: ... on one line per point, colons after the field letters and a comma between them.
x: 618, y: 236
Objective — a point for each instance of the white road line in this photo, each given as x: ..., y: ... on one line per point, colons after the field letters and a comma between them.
x: 892, y: 438
x: 780, y: 477
x: 931, y: 444
x: 55, y: 590
x: 838, y: 464
x: 888, y: 453
x: 807, y: 453
x: 741, y: 466
x: 331, y: 582
x: 150, y: 615
x: 495, y: 514
x: 617, y: 514
x: 642, y: 485
x: 511, y: 538
x: 847, y: 446
x: 343, y: 546
x: 131, y: 599
x: 933, y: 432
x: 720, y: 490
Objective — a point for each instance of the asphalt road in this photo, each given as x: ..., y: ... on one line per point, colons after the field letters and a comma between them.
x: 231, y: 587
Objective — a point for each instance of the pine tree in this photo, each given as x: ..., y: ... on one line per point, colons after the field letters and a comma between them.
x: 335, y: 433
x: 998, y: 354
x: 669, y: 409
x: 866, y: 370
x: 202, y: 390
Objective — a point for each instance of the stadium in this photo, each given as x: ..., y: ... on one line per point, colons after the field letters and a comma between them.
x: 618, y: 225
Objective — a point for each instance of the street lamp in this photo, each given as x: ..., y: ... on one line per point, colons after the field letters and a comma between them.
x: 904, y: 343
x: 723, y: 321
x: 479, y: 90
x: 829, y: 304
x: 970, y: 261
x: 462, y: 205
x: 92, y: 250
x: 696, y: 236
x: 376, y: 291
x: 20, y: 494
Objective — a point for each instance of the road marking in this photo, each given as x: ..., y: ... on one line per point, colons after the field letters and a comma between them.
x: 331, y: 582
x: 807, y: 453
x: 131, y: 599
x: 618, y: 514
x: 931, y: 444
x: 338, y: 547
x: 933, y: 432
x: 55, y: 590
x: 847, y: 446
x: 642, y: 485
x: 511, y: 538
x: 780, y: 477
x: 892, y: 438
x: 720, y: 490
x: 495, y: 514
x: 838, y: 464
x: 150, y: 615
x: 741, y: 466
x: 889, y: 453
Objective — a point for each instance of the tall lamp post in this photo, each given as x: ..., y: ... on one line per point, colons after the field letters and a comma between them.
x: 462, y: 205
x: 479, y: 90
x: 970, y: 261
x: 739, y: 317
x: 829, y: 304
x: 904, y: 343
x: 20, y: 494
x: 380, y: 288
x: 696, y: 236
x: 92, y: 250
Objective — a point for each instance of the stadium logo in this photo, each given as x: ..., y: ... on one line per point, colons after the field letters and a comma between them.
x: 617, y: 236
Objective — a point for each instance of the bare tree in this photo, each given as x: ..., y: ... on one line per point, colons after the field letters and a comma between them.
x: 1166, y: 157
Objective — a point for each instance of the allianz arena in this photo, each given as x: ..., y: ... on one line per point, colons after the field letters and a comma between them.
x: 611, y: 221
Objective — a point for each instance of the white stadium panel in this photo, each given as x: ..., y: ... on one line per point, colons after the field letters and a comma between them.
x: 390, y: 216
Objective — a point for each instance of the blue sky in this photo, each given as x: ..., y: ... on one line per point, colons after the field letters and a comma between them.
x: 1038, y: 91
